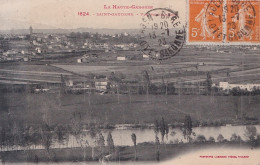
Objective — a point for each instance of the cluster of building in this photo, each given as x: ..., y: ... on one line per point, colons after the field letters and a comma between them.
x: 93, y: 57
x: 246, y: 87
x: 26, y: 46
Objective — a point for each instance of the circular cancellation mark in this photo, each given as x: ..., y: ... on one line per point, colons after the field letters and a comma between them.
x: 162, y: 33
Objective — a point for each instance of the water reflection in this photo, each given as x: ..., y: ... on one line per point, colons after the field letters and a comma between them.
x: 123, y: 137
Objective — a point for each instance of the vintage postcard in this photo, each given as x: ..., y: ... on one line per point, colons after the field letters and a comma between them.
x: 130, y: 82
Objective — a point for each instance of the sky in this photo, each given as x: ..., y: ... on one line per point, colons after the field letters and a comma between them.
x: 53, y: 14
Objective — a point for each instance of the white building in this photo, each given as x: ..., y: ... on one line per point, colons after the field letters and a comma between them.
x: 69, y: 83
x: 25, y: 59
x: 120, y: 58
x: 248, y: 87
x: 38, y: 50
x: 101, y: 85
x: 79, y: 60
x: 145, y: 57
x: 120, y: 46
x: 24, y: 52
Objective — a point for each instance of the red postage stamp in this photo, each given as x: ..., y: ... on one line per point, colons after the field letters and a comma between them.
x: 223, y: 21
x: 243, y: 21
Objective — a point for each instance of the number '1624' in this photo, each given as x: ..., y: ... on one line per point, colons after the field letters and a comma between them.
x: 83, y: 13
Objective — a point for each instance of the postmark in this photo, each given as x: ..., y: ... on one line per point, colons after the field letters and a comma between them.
x: 162, y: 33
x: 223, y: 21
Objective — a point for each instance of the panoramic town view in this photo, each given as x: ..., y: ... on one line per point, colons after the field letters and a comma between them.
x: 108, y: 93
x: 96, y: 97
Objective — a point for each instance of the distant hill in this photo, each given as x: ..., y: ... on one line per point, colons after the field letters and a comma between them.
x: 65, y: 31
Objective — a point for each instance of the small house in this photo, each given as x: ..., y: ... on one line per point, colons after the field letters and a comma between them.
x: 69, y: 83
x: 79, y: 60
x: 101, y: 85
x: 120, y: 58
x: 25, y: 59
x: 145, y: 57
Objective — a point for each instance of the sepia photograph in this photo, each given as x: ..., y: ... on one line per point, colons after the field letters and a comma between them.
x: 130, y: 82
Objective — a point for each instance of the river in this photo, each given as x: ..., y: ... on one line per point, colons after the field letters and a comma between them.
x: 122, y: 137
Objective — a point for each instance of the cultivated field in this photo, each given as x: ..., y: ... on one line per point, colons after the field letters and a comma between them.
x: 15, y: 73
x: 179, y: 68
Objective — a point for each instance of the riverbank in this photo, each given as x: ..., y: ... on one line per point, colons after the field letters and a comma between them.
x: 145, y: 152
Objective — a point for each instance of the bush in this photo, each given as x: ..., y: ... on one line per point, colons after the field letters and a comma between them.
x: 251, y: 132
x: 211, y: 139
x: 201, y: 139
x: 176, y: 141
x: 217, y: 123
x: 258, y: 140
x: 235, y: 138
x: 204, y: 124
x: 196, y: 123
x: 146, y: 143
x: 220, y: 138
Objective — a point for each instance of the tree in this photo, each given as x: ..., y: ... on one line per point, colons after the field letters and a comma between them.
x: 110, y: 143
x: 46, y: 137
x: 209, y: 82
x: 258, y: 140
x: 93, y: 133
x: 157, y: 142
x: 2, y: 137
x: 220, y: 138
x: 34, y: 136
x: 146, y: 80
x: 17, y: 133
x: 251, y: 134
x: 76, y: 123
x: 235, y: 138
x: 133, y: 136
x: 156, y: 127
x: 101, y: 140
x: 101, y: 144
x: 63, y: 84
x: 187, y: 131
x: 211, y: 139
x: 237, y: 105
x: 60, y: 134
x: 26, y: 137
x: 201, y: 139
x: 164, y: 129
x: 4, y: 44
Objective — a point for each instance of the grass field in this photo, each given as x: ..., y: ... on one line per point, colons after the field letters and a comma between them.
x: 133, y: 109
